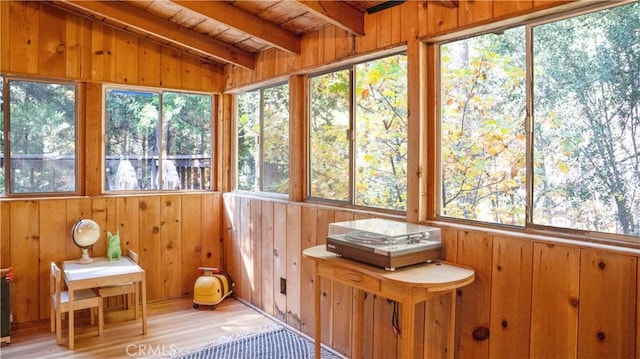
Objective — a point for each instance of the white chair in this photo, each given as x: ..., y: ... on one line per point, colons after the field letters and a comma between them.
x: 82, y: 299
x: 124, y: 288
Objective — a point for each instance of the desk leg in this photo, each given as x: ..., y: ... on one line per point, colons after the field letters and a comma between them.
x: 71, y: 316
x: 317, y: 312
x: 143, y: 290
x: 407, y: 326
x: 451, y: 336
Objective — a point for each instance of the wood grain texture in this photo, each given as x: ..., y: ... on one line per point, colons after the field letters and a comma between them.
x: 555, y: 301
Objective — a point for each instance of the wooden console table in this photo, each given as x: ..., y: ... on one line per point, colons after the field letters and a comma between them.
x: 407, y: 286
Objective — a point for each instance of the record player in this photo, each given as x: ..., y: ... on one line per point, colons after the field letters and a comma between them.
x: 384, y: 243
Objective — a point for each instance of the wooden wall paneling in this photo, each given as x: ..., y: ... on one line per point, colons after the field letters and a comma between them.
x: 92, y: 139
x: 54, y: 235
x: 192, y: 227
x: 510, y: 297
x: 77, y: 208
x: 325, y: 216
x: 223, y: 143
x: 51, y: 42
x: 409, y: 17
x: 474, y: 12
x: 211, y: 78
x: 150, y: 218
x: 255, y: 229
x: 385, y: 341
x: 505, y: 8
x: 368, y: 41
x: 103, y: 52
x: 213, y: 246
x: 293, y: 265
x: 245, y: 268
x: 294, y: 62
x: 4, y: 37
x: 416, y: 133
x: 474, y: 300
x: 385, y: 24
x: 268, y: 63
x: 78, y: 47
x: 308, y: 231
x: 554, y: 301
x: 190, y: 79
x: 345, y: 43
x: 103, y: 211
x: 25, y: 245
x: 440, y: 18
x: 282, y: 63
x: 395, y: 23
x: 342, y: 306
x: 607, y: 311
x: 170, y: 68
x: 268, y: 283
x: 279, y: 259
x: 5, y: 226
x: 23, y: 45
x: 149, y: 64
x: 544, y: 4
x: 230, y: 238
x: 127, y: 59
x: 128, y: 222
x: 171, y: 253
x: 298, y: 138
x: 310, y: 44
x: 328, y: 41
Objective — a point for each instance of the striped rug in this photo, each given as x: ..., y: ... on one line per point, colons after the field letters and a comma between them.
x: 278, y: 343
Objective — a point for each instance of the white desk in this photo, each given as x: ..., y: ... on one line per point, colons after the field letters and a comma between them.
x: 101, y: 273
x: 407, y: 286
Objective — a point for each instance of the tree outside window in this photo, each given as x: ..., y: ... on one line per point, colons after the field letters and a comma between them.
x: 584, y: 167
x: 262, y: 120
x: 157, y: 140
x: 41, y: 124
x: 358, y: 134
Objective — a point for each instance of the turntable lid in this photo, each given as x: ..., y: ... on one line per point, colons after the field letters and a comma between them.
x: 384, y: 227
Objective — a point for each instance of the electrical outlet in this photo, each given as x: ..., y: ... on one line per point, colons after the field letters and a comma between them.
x: 283, y: 286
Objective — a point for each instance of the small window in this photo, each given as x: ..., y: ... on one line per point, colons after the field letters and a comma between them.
x: 157, y: 140
x: 262, y: 120
x: 358, y: 134
x: 41, y: 128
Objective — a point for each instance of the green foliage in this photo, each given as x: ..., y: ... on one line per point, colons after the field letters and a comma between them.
x: 248, y: 132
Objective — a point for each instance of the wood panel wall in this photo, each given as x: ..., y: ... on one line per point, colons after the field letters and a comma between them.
x: 532, y: 297
x: 173, y: 234
x: 39, y: 39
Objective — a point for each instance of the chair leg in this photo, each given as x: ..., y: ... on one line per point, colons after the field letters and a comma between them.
x: 52, y: 315
x: 92, y: 316
x: 100, y: 317
x: 58, y: 327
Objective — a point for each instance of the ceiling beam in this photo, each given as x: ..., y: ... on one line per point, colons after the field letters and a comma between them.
x: 245, y: 22
x: 337, y: 13
x: 166, y: 30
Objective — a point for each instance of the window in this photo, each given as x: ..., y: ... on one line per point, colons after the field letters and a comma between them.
x: 583, y: 167
x: 40, y: 128
x: 157, y: 140
x: 358, y: 134
x: 263, y: 140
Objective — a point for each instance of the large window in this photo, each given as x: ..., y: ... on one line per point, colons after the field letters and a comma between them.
x: 579, y: 166
x: 39, y: 143
x: 358, y: 134
x: 262, y: 120
x: 157, y: 140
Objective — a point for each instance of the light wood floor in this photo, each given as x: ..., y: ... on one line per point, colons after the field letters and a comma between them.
x: 173, y: 327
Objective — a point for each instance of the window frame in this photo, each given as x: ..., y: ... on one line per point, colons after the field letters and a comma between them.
x: 260, y: 143
x: 78, y: 138
x: 528, y: 227
x: 352, y: 131
x: 159, y: 92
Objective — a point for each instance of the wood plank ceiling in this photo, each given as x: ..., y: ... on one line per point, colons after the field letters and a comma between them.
x: 227, y: 32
